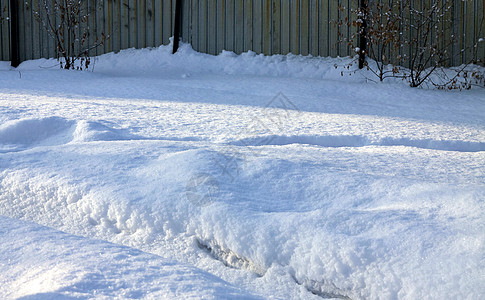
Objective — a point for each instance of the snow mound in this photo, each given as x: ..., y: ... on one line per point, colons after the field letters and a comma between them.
x: 88, y: 131
x: 361, y: 141
x: 54, y: 264
x: 187, y: 61
x: 26, y: 133
x: 21, y: 134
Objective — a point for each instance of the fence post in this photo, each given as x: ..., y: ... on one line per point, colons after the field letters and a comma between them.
x: 362, y: 32
x: 14, y: 34
x: 177, y: 25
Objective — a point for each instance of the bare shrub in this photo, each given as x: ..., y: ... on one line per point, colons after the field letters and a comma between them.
x: 62, y: 19
x: 413, y: 41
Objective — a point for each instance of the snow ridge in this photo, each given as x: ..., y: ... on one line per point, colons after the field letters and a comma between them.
x: 362, y: 141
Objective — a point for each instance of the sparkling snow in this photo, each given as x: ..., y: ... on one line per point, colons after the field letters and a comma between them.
x: 237, y: 176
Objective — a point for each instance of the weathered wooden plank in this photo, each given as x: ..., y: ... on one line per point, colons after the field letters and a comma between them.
x: 248, y: 25
x: 239, y: 26
x: 21, y: 39
x: 212, y: 27
x: 124, y: 24
x: 203, y: 26
x: 99, y: 24
x: 458, y: 12
x: 36, y: 32
x: 267, y: 27
x: 185, y: 20
x: 108, y: 25
x: 230, y: 25
x: 28, y: 33
x: 334, y: 28
x: 469, y: 34
x: 149, y: 26
x: 285, y: 27
x: 117, y: 25
x: 157, y: 23
x: 480, y: 31
x: 313, y: 27
x: 346, y: 30
x: 132, y: 24
x: 5, y: 31
x: 257, y: 34
x: 140, y: 24
x: 323, y: 41
x: 276, y: 27
x: 304, y: 28
x: 407, y: 35
x: 295, y: 26
x: 89, y: 25
x: 167, y: 21
x: 56, y: 23
x: 221, y: 25
x: 94, y: 36
x: 194, y: 22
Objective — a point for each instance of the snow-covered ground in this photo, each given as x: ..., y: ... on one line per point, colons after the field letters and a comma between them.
x: 197, y: 176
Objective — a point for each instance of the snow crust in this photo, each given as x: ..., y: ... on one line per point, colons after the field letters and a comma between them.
x: 233, y: 176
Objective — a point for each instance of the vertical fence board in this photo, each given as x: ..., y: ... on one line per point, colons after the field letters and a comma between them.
x: 108, y: 25
x: 149, y: 28
x: 334, y: 28
x: 313, y: 27
x: 158, y: 22
x: 185, y: 20
x: 230, y: 23
x: 99, y: 28
x: 36, y: 32
x: 194, y: 22
x: 257, y: 32
x: 4, y: 30
x: 323, y: 41
x: 81, y: 27
x: 345, y: 30
x: 116, y: 25
x: 304, y: 34
x: 21, y: 29
x: 276, y: 27
x: 480, y: 29
x: 212, y: 27
x: 467, y: 31
x: 239, y: 26
x: 28, y: 32
x: 125, y: 24
x: 132, y: 25
x: 140, y: 24
x: 248, y: 25
x: 295, y: 26
x: 202, y: 32
x: 90, y: 25
x: 267, y: 28
x: 167, y: 20
x: 285, y: 27
x: 221, y: 25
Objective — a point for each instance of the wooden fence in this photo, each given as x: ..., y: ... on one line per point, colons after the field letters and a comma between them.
x: 210, y: 26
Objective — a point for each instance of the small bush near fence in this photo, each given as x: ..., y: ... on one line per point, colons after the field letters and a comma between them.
x: 62, y: 19
x: 421, y: 37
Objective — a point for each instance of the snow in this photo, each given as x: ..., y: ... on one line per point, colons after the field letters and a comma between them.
x: 64, y: 266
x: 191, y: 175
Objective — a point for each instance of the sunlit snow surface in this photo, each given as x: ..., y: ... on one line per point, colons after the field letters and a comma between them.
x: 197, y: 176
